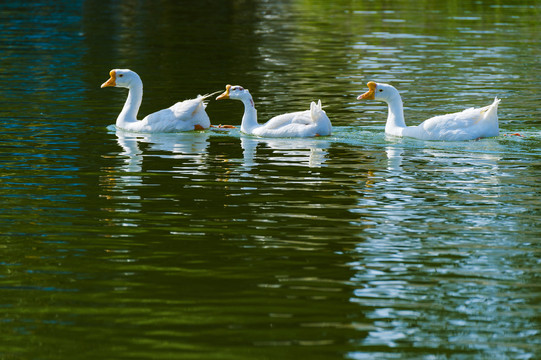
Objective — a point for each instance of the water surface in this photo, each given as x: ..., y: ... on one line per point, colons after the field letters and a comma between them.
x: 218, y: 245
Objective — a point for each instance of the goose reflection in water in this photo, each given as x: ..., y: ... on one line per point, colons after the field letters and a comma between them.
x: 394, y: 158
x: 307, y: 152
x: 176, y: 146
x: 192, y: 147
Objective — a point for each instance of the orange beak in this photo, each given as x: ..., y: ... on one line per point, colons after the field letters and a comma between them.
x: 111, y: 81
x: 370, y: 94
x: 225, y: 95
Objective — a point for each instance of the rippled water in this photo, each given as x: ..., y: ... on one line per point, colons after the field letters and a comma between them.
x: 217, y: 245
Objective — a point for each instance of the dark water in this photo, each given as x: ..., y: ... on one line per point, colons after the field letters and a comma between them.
x: 216, y: 245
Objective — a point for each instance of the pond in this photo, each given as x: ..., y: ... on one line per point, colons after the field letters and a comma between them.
x: 219, y: 245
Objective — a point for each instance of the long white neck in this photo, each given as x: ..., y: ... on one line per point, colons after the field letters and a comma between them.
x: 249, y: 119
x: 132, y: 104
x: 395, y: 118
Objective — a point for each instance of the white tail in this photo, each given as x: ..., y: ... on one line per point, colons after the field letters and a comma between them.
x: 492, y: 109
x: 315, y: 110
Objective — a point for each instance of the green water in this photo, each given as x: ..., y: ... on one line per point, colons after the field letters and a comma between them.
x: 217, y: 245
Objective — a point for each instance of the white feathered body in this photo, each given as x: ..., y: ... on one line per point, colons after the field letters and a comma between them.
x: 308, y: 123
x: 186, y: 115
x: 183, y: 116
x: 470, y: 124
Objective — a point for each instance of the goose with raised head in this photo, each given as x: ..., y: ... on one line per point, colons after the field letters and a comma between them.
x: 470, y: 124
x: 308, y: 123
x: 183, y: 116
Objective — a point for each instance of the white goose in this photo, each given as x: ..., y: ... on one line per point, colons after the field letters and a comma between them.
x: 308, y: 123
x: 470, y: 124
x: 183, y: 116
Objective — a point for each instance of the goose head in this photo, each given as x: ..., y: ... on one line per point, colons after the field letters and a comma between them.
x: 121, y: 78
x: 381, y: 92
x: 234, y: 92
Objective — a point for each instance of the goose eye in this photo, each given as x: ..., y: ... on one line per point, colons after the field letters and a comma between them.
x: 380, y: 90
x: 240, y: 88
x: 121, y: 75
